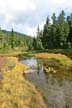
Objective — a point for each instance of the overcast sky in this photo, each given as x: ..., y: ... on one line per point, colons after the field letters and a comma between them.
x: 25, y: 15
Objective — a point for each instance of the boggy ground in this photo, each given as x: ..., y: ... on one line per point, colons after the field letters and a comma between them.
x: 15, y: 91
x: 58, y: 64
x: 62, y: 59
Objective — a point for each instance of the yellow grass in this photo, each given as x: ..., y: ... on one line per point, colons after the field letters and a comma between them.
x: 16, y: 92
x: 51, y: 55
x: 63, y: 59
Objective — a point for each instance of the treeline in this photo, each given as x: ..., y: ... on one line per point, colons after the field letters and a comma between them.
x: 57, y: 34
x: 14, y: 41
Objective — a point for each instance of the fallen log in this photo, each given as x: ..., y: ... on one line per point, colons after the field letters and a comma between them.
x: 30, y: 71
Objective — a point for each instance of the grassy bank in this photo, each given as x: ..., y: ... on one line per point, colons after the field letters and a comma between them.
x: 63, y: 59
x: 15, y: 91
x: 58, y: 64
x: 67, y: 52
x: 12, y: 53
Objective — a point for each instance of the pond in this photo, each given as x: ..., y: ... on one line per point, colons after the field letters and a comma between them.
x: 55, y: 87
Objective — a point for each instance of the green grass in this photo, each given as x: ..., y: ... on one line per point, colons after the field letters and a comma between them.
x: 67, y: 52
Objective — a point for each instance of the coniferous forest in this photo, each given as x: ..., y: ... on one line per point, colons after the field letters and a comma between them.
x: 56, y: 34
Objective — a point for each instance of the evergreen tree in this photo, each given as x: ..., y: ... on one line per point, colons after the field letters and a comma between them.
x: 69, y: 19
x: 62, y: 31
x: 46, y: 34
x: 12, y: 39
x: 34, y: 44
x: 39, y: 45
x: 54, y: 31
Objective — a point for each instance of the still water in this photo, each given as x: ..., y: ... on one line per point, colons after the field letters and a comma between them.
x: 56, y: 88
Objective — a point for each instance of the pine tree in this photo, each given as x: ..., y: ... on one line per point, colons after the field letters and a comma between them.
x: 54, y: 31
x: 62, y: 30
x: 12, y: 39
x: 46, y: 34
x: 69, y: 19
x: 39, y: 45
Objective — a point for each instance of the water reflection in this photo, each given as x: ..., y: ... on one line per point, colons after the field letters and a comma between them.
x: 56, y: 87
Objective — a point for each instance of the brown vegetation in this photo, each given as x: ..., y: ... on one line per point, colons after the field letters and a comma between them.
x: 16, y: 92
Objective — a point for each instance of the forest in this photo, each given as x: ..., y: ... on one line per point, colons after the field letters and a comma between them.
x: 56, y: 34
x: 14, y: 41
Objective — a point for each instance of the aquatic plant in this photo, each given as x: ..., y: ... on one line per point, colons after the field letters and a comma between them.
x: 49, y: 70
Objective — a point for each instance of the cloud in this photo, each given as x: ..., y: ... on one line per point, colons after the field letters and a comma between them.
x: 13, y: 11
x: 15, y: 5
x: 25, y: 15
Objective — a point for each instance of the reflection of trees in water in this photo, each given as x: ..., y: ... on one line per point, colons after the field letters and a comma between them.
x: 46, y: 77
x: 59, y: 96
x: 38, y: 69
x: 57, y: 92
x: 1, y: 78
x: 39, y: 66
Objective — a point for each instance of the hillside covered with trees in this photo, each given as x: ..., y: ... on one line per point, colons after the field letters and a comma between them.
x: 14, y: 41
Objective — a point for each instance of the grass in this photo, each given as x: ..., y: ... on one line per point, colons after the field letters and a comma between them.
x: 16, y: 92
x: 62, y: 59
x: 12, y: 53
x: 67, y: 52
x: 57, y: 64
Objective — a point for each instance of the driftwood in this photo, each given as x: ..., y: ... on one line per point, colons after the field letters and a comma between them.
x: 30, y: 71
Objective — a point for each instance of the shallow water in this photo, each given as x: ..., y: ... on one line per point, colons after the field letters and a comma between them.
x: 56, y: 90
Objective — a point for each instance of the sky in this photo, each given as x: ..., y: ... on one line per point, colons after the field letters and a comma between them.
x: 24, y: 16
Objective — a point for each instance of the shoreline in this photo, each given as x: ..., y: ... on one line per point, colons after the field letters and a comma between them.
x: 14, y: 78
